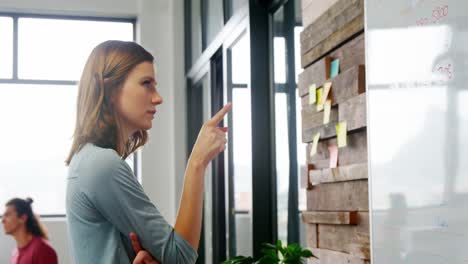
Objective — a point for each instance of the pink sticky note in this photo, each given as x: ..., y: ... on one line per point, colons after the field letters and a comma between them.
x: 333, y: 149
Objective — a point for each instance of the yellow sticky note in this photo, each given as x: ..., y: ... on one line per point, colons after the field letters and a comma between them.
x: 313, y: 150
x: 326, y: 91
x: 341, y: 132
x: 326, y: 113
x: 319, y: 100
x: 312, y: 94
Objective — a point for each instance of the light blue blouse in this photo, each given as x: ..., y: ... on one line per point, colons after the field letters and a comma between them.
x: 105, y: 202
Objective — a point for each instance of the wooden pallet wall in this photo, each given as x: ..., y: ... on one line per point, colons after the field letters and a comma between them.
x: 337, y: 216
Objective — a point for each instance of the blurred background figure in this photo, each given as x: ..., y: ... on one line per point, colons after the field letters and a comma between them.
x: 21, y: 223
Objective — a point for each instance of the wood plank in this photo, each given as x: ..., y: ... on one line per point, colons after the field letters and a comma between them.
x: 319, y: 164
x: 354, y: 152
x: 356, y: 149
x: 305, y: 3
x: 350, y: 54
x: 313, y: 119
x: 339, y: 174
x: 345, y: 86
x: 348, y: 84
x: 315, y: 177
x: 360, y: 250
x: 334, y: 40
x: 311, y: 235
x: 326, y: 256
x: 331, y: 218
x: 340, y: 196
x: 326, y: 131
x: 305, y: 184
x: 316, y: 73
x: 353, y: 111
x: 345, y: 238
x: 313, y: 9
x: 340, y: 14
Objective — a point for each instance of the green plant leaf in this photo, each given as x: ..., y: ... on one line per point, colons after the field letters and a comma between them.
x: 269, y: 246
x: 275, y: 254
x: 268, y: 259
x: 279, y: 245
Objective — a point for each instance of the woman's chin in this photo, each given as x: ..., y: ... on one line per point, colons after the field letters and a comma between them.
x: 147, y: 126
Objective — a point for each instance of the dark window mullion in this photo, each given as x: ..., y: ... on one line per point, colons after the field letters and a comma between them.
x: 15, y: 48
x: 239, y: 85
x: 264, y: 196
x: 293, y: 193
x: 227, y: 10
x: 204, y: 23
x: 188, y: 35
x: 231, y: 200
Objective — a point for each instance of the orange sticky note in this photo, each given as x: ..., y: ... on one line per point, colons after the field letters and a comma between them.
x: 326, y: 113
x: 313, y: 150
x: 319, y: 99
x: 341, y: 132
x: 333, y: 149
x: 326, y: 91
x: 312, y: 94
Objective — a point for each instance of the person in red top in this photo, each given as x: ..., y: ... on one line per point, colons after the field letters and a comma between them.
x: 20, y: 222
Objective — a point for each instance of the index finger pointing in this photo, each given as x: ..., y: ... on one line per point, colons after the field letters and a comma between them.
x: 218, y: 117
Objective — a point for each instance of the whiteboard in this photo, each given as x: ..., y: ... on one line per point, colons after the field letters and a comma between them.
x: 417, y: 81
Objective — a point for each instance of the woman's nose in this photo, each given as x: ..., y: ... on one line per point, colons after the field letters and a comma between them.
x: 156, y: 98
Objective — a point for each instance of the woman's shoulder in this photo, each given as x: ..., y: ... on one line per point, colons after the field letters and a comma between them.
x: 93, y: 160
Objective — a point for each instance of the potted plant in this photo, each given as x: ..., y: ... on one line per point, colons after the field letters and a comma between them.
x: 290, y: 254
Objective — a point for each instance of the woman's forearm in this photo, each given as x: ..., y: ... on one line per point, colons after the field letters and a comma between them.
x: 210, y: 142
x: 189, y: 217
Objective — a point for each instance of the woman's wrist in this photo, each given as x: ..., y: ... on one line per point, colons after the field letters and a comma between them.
x: 195, y: 164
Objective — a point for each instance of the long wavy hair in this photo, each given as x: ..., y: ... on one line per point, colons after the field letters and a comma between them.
x: 33, y: 225
x: 103, y: 76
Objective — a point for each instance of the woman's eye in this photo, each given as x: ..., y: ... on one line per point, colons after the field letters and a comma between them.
x: 147, y: 84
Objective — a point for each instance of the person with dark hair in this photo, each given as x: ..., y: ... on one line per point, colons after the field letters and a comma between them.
x: 31, y: 237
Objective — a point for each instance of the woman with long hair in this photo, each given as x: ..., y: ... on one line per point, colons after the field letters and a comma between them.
x: 117, y: 100
x: 31, y: 237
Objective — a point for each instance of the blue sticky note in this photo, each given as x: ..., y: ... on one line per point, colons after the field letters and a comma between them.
x: 335, y: 68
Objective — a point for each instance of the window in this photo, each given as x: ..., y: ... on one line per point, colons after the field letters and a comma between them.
x: 195, y: 29
x: 286, y: 53
x: 241, y: 129
x: 38, y: 90
x: 214, y: 19
x: 234, y: 6
x: 61, y: 47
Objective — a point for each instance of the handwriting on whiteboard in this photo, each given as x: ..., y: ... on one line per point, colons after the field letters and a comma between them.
x: 446, y: 70
x: 438, y: 13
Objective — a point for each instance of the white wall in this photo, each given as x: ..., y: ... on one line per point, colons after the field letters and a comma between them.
x: 160, y: 30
